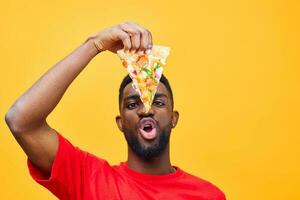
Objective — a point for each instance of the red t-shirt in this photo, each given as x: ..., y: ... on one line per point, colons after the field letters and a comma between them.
x: 77, y: 174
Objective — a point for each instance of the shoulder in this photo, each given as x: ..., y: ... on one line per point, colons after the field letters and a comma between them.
x: 95, y: 160
x: 200, y: 184
x: 68, y: 151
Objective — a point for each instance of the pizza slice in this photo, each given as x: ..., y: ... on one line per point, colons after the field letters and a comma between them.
x: 145, y: 71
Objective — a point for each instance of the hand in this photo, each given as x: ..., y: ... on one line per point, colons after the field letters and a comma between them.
x: 130, y: 36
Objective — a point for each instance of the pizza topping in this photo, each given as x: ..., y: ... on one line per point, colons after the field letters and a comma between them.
x: 145, y: 71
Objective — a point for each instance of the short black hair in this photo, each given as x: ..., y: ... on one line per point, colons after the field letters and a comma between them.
x: 127, y: 80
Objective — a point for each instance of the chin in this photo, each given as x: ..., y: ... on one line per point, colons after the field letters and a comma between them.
x: 148, y: 149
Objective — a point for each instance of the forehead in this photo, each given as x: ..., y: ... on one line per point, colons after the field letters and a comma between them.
x: 129, y: 90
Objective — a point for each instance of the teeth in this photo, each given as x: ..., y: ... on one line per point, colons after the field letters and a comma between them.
x: 147, y: 125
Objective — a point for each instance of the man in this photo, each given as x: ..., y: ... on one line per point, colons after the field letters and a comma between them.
x: 70, y: 173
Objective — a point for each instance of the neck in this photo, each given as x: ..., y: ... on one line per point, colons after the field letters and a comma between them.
x: 157, y: 165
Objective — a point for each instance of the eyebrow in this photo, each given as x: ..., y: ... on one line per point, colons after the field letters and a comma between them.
x: 136, y: 96
x: 157, y: 95
x: 132, y: 96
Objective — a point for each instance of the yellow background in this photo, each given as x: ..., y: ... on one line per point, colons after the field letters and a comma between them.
x: 234, y: 69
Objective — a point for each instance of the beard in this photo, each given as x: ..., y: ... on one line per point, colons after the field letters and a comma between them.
x: 151, y: 151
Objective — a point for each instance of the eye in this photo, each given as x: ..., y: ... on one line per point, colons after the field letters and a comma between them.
x: 158, y: 103
x: 131, y: 106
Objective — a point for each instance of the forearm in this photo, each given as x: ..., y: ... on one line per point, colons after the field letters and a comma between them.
x: 37, y: 102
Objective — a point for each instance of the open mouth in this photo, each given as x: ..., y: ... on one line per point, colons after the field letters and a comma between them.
x: 147, y: 128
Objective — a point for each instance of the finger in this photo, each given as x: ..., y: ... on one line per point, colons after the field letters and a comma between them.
x: 146, y: 37
x: 135, y: 41
x: 125, y: 37
x: 150, y: 43
x: 135, y: 35
x: 144, y: 43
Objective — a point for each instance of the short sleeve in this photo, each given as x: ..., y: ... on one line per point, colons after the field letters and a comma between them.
x: 66, y: 176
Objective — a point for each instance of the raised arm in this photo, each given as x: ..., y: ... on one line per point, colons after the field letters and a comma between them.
x: 27, y: 116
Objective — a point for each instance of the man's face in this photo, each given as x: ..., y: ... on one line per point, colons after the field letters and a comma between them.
x: 147, y: 134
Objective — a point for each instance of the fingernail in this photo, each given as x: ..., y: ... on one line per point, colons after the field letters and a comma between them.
x: 132, y: 51
x: 140, y: 52
x: 148, y: 51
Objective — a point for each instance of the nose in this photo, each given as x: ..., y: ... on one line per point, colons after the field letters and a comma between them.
x: 143, y: 113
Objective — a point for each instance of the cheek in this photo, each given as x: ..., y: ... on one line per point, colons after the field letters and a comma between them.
x: 129, y: 120
x: 168, y: 124
x: 165, y: 121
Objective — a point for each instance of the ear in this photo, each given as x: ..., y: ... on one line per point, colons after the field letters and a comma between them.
x: 175, y: 117
x: 119, y: 122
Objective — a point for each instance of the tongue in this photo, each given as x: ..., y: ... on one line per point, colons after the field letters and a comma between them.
x: 148, y: 135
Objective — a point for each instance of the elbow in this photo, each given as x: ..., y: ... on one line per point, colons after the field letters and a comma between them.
x: 8, y: 118
x: 11, y: 121
x: 19, y: 121
x: 15, y: 121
